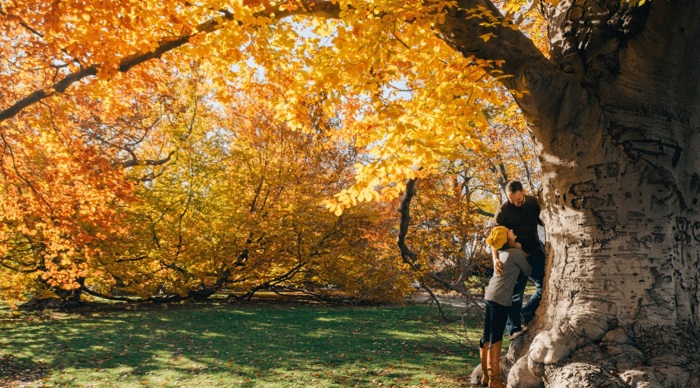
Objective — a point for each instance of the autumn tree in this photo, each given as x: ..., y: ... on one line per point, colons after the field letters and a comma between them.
x: 166, y: 184
x: 276, y: 179
x: 612, y: 106
x: 451, y: 211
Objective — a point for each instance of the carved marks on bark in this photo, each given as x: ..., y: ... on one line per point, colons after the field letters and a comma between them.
x: 686, y: 257
x: 687, y: 230
x: 655, y: 195
x: 663, y: 160
x: 606, y: 170
x: 653, y: 151
x: 666, y: 194
x: 586, y: 195
x: 627, y: 238
x: 585, y: 35
x: 613, y: 286
x: 684, y: 264
x: 694, y: 188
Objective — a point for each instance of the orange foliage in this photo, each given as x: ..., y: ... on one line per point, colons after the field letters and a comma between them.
x: 169, y: 147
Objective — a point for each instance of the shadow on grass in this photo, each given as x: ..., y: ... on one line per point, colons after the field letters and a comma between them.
x: 241, y: 346
x: 18, y: 371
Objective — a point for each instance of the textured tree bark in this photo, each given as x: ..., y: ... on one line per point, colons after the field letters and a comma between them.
x: 616, y: 119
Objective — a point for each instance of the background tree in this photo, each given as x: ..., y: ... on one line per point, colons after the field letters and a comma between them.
x: 453, y: 210
x: 170, y: 193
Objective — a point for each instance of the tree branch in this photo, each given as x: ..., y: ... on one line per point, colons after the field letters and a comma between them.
x: 125, y: 65
x: 525, y: 68
x: 537, y: 82
x: 311, y: 8
x: 147, y: 162
x: 407, y: 255
x: 466, y: 31
x: 270, y: 283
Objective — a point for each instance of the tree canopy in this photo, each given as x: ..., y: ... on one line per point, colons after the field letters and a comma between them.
x: 181, y: 147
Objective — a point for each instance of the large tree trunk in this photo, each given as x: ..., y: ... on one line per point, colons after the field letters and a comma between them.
x: 616, y: 117
x: 621, y: 194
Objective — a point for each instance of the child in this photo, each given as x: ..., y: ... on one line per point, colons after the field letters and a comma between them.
x: 498, y: 298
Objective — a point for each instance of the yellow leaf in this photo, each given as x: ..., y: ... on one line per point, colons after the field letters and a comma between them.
x: 486, y: 37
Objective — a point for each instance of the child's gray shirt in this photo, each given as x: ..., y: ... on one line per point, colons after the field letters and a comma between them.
x: 500, y: 288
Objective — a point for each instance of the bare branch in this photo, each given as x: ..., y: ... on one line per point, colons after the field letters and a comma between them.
x: 147, y: 162
x: 409, y: 257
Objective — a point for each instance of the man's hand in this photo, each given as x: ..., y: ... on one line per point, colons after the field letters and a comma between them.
x: 497, y: 265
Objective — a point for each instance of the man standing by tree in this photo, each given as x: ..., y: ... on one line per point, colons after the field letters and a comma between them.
x: 521, y: 213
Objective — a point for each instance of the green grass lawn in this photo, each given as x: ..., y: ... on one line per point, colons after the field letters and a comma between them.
x: 258, y: 345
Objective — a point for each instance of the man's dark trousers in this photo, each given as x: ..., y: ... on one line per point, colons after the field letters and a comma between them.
x: 517, y: 313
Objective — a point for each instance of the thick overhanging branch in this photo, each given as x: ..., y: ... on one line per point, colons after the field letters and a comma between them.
x: 61, y: 86
x: 4, y: 262
x: 482, y: 212
x: 131, y: 259
x: 521, y: 65
x: 509, y: 46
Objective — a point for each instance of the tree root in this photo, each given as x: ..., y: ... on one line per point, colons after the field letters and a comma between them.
x: 618, y: 357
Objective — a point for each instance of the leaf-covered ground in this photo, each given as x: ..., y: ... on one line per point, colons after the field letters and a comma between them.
x: 244, y: 346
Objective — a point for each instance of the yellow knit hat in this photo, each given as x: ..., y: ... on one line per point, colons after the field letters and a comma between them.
x: 498, y: 237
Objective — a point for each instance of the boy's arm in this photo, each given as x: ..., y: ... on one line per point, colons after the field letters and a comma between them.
x: 523, y: 264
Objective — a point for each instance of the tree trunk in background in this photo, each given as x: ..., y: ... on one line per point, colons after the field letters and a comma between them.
x: 619, y: 148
